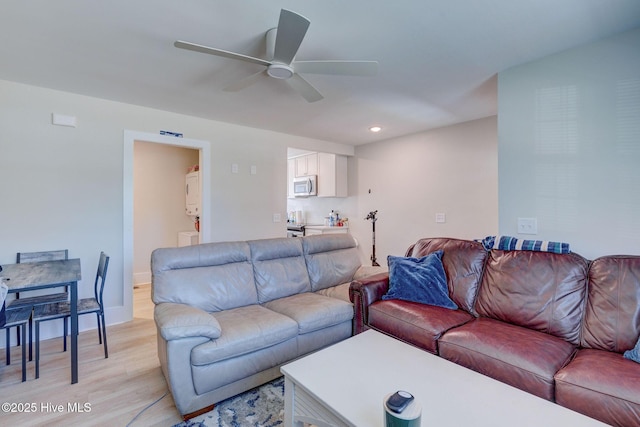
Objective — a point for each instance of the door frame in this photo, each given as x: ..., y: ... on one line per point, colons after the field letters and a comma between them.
x: 204, y: 150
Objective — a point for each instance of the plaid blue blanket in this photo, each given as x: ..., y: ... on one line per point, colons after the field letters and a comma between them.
x: 509, y: 243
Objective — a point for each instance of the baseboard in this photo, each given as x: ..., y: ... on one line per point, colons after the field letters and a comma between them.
x: 140, y: 278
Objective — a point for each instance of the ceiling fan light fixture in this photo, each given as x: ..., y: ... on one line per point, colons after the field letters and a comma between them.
x: 280, y: 71
x: 375, y: 129
x: 282, y: 44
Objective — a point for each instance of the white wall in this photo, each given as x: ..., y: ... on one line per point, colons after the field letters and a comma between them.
x: 451, y: 170
x: 62, y: 187
x: 569, y: 146
x: 159, y: 200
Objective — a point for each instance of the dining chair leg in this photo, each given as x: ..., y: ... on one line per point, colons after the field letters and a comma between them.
x: 24, y: 354
x: 8, y: 347
x: 99, y: 328
x: 64, y: 334
x: 37, y: 350
x: 18, y: 335
x: 30, y: 335
x: 104, y: 334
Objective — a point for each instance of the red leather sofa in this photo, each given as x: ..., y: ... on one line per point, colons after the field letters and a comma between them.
x: 553, y: 325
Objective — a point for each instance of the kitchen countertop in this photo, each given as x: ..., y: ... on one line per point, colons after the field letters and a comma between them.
x: 324, y: 227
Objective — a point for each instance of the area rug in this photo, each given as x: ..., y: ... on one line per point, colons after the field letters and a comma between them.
x: 260, y: 407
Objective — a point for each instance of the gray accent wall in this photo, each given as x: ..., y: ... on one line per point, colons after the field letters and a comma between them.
x: 569, y: 146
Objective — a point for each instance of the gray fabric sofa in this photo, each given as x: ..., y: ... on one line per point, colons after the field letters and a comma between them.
x: 230, y: 314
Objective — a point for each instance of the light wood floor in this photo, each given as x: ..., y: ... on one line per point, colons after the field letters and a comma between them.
x: 116, y: 389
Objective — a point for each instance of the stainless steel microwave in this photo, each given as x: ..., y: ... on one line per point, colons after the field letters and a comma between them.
x: 305, y: 186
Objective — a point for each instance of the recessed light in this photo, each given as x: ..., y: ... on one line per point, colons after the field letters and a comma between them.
x: 375, y: 128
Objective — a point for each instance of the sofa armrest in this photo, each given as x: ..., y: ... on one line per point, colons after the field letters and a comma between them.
x: 363, y: 293
x: 177, y: 321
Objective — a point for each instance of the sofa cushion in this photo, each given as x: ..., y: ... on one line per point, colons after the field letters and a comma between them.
x: 602, y: 385
x: 537, y: 290
x: 331, y: 259
x: 520, y: 357
x: 340, y: 292
x: 211, y: 277
x: 612, y: 317
x: 415, y: 323
x: 419, y: 280
x: 279, y: 268
x: 312, y: 311
x: 463, y: 262
x: 244, y: 330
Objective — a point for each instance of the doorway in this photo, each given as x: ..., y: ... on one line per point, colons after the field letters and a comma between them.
x: 159, y: 172
x: 204, y: 161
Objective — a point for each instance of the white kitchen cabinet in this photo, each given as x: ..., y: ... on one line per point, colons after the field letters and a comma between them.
x: 291, y: 174
x: 192, y: 193
x: 306, y: 165
x: 332, y: 175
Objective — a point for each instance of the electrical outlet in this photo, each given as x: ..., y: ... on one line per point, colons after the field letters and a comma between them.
x: 527, y: 226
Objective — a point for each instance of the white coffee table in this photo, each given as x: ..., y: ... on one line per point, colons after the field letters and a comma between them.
x: 345, y: 384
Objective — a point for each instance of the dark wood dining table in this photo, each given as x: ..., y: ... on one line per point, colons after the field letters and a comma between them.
x: 49, y: 274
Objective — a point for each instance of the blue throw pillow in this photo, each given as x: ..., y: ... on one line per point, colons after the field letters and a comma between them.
x: 634, y: 353
x: 419, y: 280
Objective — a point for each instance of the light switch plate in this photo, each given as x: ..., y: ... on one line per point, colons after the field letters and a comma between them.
x: 276, y: 217
x: 441, y: 217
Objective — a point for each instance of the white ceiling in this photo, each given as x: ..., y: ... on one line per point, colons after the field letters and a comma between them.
x: 437, y: 59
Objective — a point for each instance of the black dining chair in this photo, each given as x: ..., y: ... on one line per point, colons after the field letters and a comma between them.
x: 30, y: 302
x: 14, y: 318
x: 62, y: 310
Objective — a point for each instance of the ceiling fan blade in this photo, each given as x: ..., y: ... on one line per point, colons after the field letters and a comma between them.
x: 219, y: 52
x: 344, y: 68
x: 291, y: 30
x: 246, y: 82
x: 304, y: 88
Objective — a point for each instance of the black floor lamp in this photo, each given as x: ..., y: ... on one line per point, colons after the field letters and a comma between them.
x: 372, y: 217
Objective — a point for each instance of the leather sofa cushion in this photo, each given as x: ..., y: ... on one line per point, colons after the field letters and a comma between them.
x: 340, y: 292
x: 211, y: 277
x: 279, y: 268
x: 463, y: 262
x: 312, y: 311
x: 244, y: 330
x: 602, y: 385
x: 331, y: 259
x: 520, y: 357
x: 612, y: 318
x: 537, y: 290
x: 415, y: 323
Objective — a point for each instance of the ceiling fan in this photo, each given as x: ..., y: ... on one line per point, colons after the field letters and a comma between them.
x: 283, y: 43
